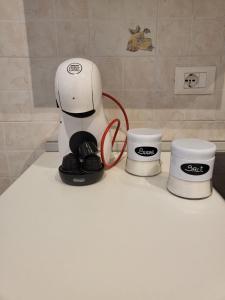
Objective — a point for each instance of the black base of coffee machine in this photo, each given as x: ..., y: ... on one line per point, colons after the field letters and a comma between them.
x: 82, y: 166
x: 83, y: 178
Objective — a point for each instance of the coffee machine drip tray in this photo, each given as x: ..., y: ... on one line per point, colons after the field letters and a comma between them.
x: 219, y: 174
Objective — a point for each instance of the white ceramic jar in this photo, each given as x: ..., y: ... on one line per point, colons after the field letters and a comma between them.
x: 143, y: 152
x: 191, y: 168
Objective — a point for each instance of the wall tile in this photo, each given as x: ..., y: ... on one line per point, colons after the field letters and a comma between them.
x: 175, y: 8
x: 11, y: 10
x: 133, y: 114
x: 220, y: 115
x: 220, y: 112
x: 110, y: 38
x: 174, y: 130
x: 197, y: 102
x: 140, y: 9
x: 13, y: 40
x: 38, y: 9
x: 112, y: 113
x: 4, y: 184
x: 127, y: 9
x: 210, y: 61
x: 43, y: 75
x: 157, y: 75
x: 15, y: 106
x: 206, y: 130
x: 166, y: 66
x: 152, y: 100
x: 105, y: 9
x: 200, y: 114
x: 174, y: 37
x: 149, y: 23
x: 163, y: 100
x: 111, y: 69
x: 140, y: 114
x: 138, y: 99
x: 219, y: 98
x: 40, y: 132
x: 220, y: 76
x: 41, y: 39
x: 118, y: 94
x: 18, y: 136
x: 209, y: 130
x: 2, y: 137
x: 168, y: 114
x: 208, y: 37
x: 71, y: 9
x: 137, y: 72
x: 4, y: 170
x: 73, y: 38
x: 107, y: 38
x: 165, y: 71
x: 209, y: 8
x: 28, y: 135
x: 223, y: 62
x: 16, y: 74
x: 42, y: 114
x: 200, y: 60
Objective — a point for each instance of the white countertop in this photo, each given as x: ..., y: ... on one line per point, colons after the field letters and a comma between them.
x: 123, y: 238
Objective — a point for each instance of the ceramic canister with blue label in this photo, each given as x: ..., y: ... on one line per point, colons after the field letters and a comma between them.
x: 143, y: 152
x: 191, y: 168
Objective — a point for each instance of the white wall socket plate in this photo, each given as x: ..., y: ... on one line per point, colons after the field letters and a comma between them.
x: 195, y: 80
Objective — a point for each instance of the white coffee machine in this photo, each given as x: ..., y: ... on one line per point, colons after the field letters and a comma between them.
x: 78, y: 90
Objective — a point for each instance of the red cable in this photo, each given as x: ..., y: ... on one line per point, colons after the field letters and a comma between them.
x: 107, y: 164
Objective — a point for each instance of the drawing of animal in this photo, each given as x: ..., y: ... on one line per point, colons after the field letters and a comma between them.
x: 138, y: 41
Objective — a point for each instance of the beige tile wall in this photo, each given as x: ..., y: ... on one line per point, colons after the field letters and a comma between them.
x: 36, y: 35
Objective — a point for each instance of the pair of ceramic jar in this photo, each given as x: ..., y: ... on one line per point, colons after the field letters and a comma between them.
x: 191, y: 164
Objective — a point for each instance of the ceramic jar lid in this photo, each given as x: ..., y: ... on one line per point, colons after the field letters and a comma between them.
x: 144, y: 135
x: 193, y: 149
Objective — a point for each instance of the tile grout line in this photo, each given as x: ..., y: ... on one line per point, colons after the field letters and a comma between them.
x: 191, y: 33
x: 90, y: 23
x: 156, y: 30
x: 69, y: 19
x: 5, y: 149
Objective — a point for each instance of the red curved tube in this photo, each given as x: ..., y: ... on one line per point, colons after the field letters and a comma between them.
x: 109, y: 165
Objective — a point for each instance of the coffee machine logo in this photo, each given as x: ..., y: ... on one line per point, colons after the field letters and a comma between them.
x: 195, y: 169
x: 146, y: 151
x: 74, y: 68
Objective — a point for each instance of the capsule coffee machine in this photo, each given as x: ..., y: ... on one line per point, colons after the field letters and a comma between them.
x: 78, y: 92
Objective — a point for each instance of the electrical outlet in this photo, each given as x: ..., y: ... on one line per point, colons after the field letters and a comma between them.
x: 191, y: 80
x: 195, y: 80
